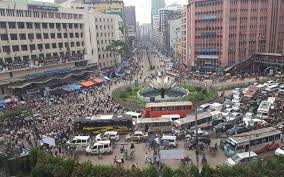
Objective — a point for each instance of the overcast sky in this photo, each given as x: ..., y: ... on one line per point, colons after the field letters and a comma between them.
x: 143, y: 8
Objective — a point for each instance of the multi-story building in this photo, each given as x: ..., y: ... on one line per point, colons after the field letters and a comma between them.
x: 155, y: 35
x: 184, y: 37
x: 145, y: 32
x: 221, y: 32
x: 130, y: 17
x: 37, y: 38
x: 175, y: 36
x: 115, y: 7
x: 172, y: 11
x: 42, y: 40
x: 155, y: 6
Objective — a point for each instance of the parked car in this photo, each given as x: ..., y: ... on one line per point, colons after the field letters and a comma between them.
x: 237, y: 130
x: 234, y: 116
x: 236, y: 107
x: 242, y: 158
x: 279, y: 151
x: 80, y: 142
x: 222, y: 127
x: 226, y: 112
x: 137, y: 136
x: 211, y: 124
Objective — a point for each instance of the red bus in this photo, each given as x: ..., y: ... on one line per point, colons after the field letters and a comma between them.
x: 168, y: 108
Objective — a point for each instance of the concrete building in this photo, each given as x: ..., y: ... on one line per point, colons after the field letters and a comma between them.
x: 155, y: 6
x: 155, y: 35
x: 138, y: 32
x: 175, y: 37
x: 37, y: 37
x: 221, y: 33
x: 40, y: 40
x: 115, y: 7
x: 172, y: 11
x: 130, y: 16
x: 145, y: 32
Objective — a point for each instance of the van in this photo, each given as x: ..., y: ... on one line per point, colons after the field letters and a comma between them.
x: 108, y: 135
x: 242, y: 158
x: 80, y: 142
x: 134, y: 115
x: 170, y: 139
x: 99, y: 147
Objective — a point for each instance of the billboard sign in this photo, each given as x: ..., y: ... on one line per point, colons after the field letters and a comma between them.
x: 115, y: 11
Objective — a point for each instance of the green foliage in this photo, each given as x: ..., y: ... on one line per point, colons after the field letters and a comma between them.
x: 44, y: 165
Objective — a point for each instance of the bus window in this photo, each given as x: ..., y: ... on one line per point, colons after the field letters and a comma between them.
x: 252, y: 143
x: 170, y: 108
x: 277, y: 137
x: 240, y: 148
x: 271, y: 138
x: 258, y: 141
x: 264, y: 140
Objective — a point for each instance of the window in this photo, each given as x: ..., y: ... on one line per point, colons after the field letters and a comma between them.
x: 45, y: 35
x: 29, y: 25
x: 59, y: 35
x: 21, y: 25
x: 15, y: 48
x: 65, y: 35
x: 31, y: 36
x: 4, y: 37
x: 40, y: 47
x: 71, y: 35
x: 32, y: 47
x: 38, y: 35
x: 271, y: 138
x: 24, y: 47
x: 12, y: 25
x: 52, y: 35
x: 106, y: 146
x: 51, y: 25
x: 44, y: 25
x: 47, y: 46
x: 60, y: 45
x: 37, y: 25
x: 53, y: 45
x: 13, y: 36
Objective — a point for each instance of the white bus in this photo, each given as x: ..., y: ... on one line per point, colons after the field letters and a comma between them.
x: 259, y: 141
x: 263, y: 111
x: 189, y: 121
x: 134, y: 115
x: 151, y: 125
x: 172, y: 116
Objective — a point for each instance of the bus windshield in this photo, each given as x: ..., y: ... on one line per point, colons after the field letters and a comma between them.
x: 230, y: 145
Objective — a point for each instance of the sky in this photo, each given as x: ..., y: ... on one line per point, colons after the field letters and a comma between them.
x: 142, y: 7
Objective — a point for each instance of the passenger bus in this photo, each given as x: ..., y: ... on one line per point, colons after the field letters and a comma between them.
x: 167, y: 108
x: 100, y: 124
x: 264, y: 109
x: 188, y: 122
x: 151, y: 125
x: 259, y: 141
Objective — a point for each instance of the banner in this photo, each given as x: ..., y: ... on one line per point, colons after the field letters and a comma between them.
x: 172, y: 154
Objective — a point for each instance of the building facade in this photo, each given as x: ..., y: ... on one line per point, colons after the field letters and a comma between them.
x: 155, y: 35
x: 130, y: 16
x: 221, y: 33
x: 145, y: 32
x: 34, y: 40
x: 155, y: 6
x: 175, y: 37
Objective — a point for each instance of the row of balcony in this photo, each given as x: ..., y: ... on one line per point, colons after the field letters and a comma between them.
x: 40, y: 62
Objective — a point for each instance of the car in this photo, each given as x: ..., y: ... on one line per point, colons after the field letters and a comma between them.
x: 234, y: 116
x: 226, y: 112
x: 222, y: 127
x: 248, y: 116
x: 279, y: 151
x: 200, y: 133
x: 242, y: 158
x: 211, y: 124
x: 137, y: 136
x: 237, y: 130
x: 204, y: 107
x: 280, y: 125
x: 236, y: 107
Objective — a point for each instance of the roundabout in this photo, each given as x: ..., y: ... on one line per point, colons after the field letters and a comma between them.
x: 134, y: 97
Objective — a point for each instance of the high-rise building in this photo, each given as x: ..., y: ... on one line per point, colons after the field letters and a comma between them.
x: 130, y: 17
x: 175, y: 36
x: 220, y: 33
x: 155, y: 6
x: 145, y: 32
x: 172, y: 11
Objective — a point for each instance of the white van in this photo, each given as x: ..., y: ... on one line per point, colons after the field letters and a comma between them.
x: 134, y: 115
x: 108, y: 135
x: 80, y: 142
x: 172, y: 116
x: 242, y: 158
x: 171, y: 139
x: 99, y: 147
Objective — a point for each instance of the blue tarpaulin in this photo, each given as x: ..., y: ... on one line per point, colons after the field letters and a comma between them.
x: 74, y: 86
x: 2, y: 103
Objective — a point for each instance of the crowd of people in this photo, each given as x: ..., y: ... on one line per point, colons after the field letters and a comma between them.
x: 54, y: 114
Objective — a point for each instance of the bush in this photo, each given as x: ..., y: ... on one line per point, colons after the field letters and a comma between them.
x: 45, y: 165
